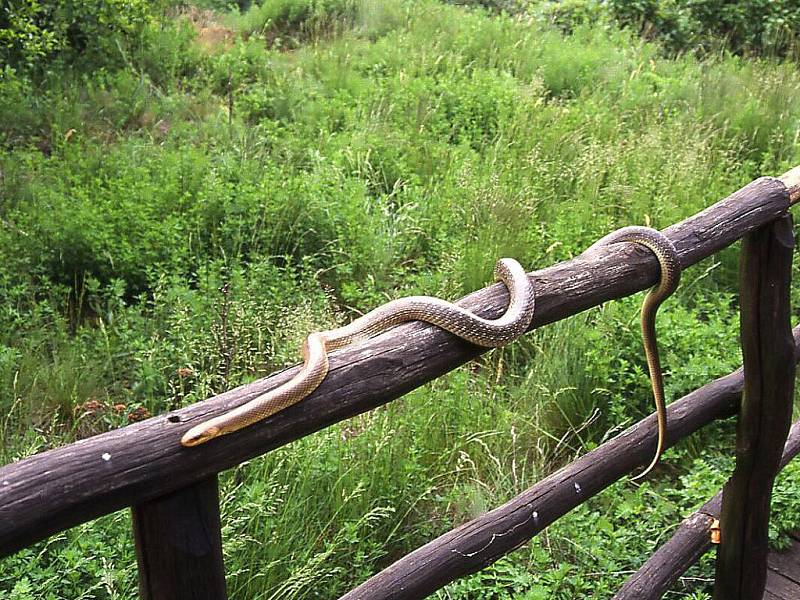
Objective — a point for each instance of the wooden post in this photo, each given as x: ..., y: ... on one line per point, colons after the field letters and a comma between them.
x: 179, y: 545
x: 766, y: 410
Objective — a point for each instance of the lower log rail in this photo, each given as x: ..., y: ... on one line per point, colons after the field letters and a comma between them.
x: 482, y: 541
x: 690, y: 541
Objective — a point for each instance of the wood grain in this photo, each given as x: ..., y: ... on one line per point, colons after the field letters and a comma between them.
x: 791, y: 179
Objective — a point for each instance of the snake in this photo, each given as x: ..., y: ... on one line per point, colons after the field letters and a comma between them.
x: 669, y: 262
x: 487, y: 333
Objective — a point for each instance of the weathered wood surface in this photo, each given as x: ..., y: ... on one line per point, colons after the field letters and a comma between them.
x: 787, y: 562
x: 692, y: 537
x: 766, y: 412
x: 66, y: 486
x: 779, y: 587
x: 179, y: 545
x: 783, y: 575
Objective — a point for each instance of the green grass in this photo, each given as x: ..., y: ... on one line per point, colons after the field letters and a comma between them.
x: 157, y: 247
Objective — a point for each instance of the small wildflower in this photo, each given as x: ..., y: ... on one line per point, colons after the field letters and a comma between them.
x: 89, y: 407
x: 138, y: 414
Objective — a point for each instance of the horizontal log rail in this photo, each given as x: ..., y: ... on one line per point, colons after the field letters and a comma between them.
x: 482, y: 541
x: 66, y: 486
x: 690, y: 541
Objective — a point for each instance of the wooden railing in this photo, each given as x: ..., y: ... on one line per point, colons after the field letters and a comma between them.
x: 173, y: 490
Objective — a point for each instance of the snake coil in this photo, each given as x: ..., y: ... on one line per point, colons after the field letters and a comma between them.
x: 668, y: 260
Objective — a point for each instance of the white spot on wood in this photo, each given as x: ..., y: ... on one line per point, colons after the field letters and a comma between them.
x: 106, y: 456
x: 577, y: 488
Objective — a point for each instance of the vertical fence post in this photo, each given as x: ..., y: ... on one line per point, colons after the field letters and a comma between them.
x: 179, y: 545
x: 765, y: 413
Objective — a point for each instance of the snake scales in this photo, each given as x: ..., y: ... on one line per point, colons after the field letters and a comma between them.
x: 457, y: 320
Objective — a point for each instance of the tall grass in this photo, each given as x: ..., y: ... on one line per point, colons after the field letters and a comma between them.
x: 200, y: 219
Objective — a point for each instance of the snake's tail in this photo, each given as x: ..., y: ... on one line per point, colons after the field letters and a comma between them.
x: 649, y: 309
x: 669, y: 261
x: 659, y: 449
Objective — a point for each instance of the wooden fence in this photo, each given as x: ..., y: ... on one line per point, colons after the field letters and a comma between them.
x: 173, y: 490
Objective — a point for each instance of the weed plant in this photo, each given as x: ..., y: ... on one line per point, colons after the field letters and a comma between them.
x: 173, y: 226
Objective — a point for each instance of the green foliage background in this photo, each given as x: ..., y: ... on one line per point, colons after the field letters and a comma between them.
x: 176, y: 214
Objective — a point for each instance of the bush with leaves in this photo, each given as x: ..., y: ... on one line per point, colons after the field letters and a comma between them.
x: 752, y: 27
x: 90, y: 33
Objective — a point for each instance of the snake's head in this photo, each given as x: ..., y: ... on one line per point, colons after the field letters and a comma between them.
x: 199, y: 434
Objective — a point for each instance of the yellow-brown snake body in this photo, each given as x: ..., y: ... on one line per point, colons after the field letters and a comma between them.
x: 451, y: 317
x: 670, y: 265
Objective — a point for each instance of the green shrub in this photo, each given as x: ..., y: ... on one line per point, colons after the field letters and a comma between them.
x: 92, y: 33
x: 752, y: 27
x: 667, y: 20
x: 569, y: 14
